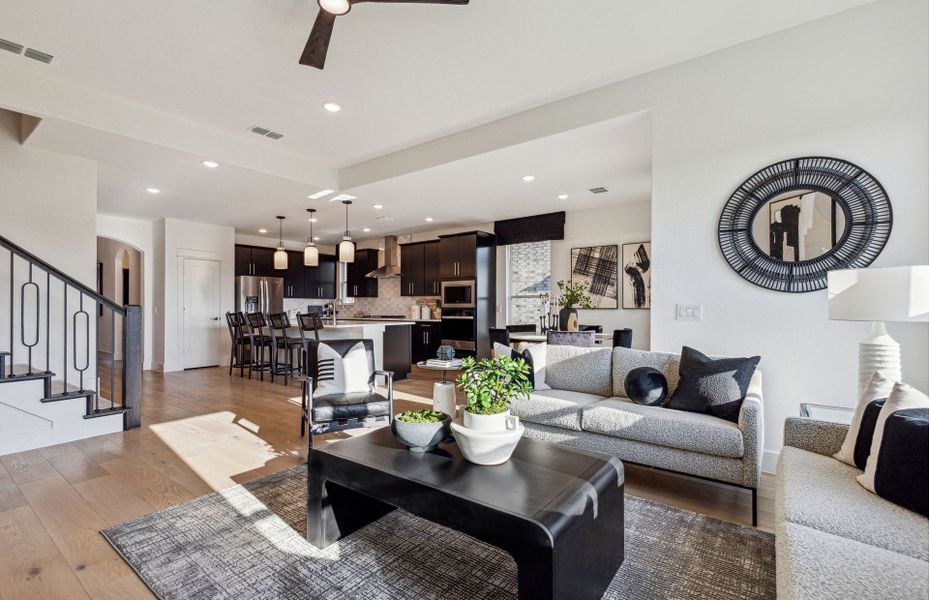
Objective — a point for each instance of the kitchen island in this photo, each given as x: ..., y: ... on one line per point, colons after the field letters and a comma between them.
x: 392, y: 341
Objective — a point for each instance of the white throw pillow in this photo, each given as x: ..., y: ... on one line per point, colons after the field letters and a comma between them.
x: 901, y: 397
x: 338, y: 374
x: 502, y: 350
x: 878, y: 388
x: 538, y: 352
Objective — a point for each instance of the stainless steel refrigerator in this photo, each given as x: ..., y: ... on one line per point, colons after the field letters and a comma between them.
x: 259, y: 294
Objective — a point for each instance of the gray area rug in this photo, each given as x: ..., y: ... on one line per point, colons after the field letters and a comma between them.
x: 249, y: 542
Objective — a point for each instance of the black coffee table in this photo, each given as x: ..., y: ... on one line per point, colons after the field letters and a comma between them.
x: 556, y: 510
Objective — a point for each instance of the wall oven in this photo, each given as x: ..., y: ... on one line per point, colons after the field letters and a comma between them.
x: 458, y: 329
x: 458, y: 294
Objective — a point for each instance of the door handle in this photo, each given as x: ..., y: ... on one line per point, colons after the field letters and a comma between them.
x: 215, y: 319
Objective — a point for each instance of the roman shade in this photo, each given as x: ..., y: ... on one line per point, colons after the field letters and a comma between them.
x: 538, y: 228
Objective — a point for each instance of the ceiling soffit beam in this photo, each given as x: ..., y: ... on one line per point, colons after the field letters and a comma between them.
x: 32, y: 94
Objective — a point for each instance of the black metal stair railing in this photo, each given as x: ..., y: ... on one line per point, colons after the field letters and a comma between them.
x: 107, y: 384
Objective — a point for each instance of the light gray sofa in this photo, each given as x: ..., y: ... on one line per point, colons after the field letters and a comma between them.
x: 835, y: 539
x: 587, y: 408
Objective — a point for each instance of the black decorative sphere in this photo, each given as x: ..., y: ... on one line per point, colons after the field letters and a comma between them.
x: 646, y: 385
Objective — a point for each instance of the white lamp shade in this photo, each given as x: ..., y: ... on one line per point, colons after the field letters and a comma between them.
x: 280, y: 259
x: 346, y: 251
x: 311, y: 256
x: 880, y: 294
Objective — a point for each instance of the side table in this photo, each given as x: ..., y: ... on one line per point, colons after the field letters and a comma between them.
x: 443, y: 392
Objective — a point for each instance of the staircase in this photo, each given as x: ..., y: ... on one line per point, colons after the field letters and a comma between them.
x: 56, y: 385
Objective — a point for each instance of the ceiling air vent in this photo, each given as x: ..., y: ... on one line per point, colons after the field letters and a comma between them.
x: 39, y: 56
x: 264, y: 131
x: 598, y: 190
x: 10, y: 47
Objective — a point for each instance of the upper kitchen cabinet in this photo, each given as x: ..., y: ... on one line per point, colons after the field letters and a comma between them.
x: 294, y: 276
x: 458, y: 254
x: 359, y: 284
x: 432, y: 283
x: 326, y: 278
x: 252, y: 260
x: 412, y: 268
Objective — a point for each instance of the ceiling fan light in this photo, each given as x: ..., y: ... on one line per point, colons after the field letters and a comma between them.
x: 335, y: 7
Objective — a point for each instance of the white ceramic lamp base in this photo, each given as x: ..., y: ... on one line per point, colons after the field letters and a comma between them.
x: 878, y: 352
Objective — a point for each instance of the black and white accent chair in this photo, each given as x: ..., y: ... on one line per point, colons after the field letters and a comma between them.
x: 339, y: 390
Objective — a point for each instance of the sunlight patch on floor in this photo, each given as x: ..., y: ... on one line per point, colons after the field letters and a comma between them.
x: 216, y: 446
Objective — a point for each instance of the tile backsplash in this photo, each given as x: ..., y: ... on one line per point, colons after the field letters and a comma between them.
x: 388, y: 301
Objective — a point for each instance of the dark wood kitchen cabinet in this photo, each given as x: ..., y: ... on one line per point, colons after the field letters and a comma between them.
x: 253, y: 260
x: 419, y: 269
x: 427, y: 337
x: 458, y: 254
x: 320, y: 282
x: 295, y: 276
x: 359, y: 285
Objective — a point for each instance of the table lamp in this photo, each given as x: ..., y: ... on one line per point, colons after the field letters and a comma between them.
x: 879, y: 295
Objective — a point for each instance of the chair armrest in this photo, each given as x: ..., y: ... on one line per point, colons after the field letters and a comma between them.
x: 751, y: 422
x: 820, y: 437
x: 389, y: 376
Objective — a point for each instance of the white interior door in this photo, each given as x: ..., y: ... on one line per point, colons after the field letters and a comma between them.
x: 202, y: 325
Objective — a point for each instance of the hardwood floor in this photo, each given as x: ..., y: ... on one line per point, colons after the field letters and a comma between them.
x: 203, y: 431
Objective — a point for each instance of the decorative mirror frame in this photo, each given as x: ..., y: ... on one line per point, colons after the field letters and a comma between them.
x: 868, y: 219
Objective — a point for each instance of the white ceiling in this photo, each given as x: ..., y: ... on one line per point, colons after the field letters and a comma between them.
x: 175, y: 72
x: 404, y: 74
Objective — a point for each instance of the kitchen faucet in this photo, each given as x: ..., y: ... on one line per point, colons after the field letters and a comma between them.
x: 333, y: 307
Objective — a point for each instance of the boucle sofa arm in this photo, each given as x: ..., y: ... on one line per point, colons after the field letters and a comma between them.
x: 820, y: 437
x: 751, y: 422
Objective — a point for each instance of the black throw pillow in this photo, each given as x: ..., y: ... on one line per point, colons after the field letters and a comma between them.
x: 902, y: 474
x: 866, y: 432
x: 715, y: 387
x: 646, y: 385
x: 527, y: 356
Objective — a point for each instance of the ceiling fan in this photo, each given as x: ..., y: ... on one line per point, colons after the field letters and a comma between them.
x: 314, y: 54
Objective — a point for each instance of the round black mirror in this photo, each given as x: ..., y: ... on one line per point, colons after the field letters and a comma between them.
x: 792, y: 222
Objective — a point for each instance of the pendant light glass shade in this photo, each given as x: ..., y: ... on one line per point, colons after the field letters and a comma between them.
x: 347, y: 247
x: 311, y: 252
x: 347, y: 250
x: 280, y: 255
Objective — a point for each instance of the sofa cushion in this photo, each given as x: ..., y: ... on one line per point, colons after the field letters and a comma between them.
x: 585, y: 370
x: 356, y: 405
x: 814, y: 564
x: 558, y: 408
x: 618, y: 417
x: 821, y: 492
x: 627, y: 359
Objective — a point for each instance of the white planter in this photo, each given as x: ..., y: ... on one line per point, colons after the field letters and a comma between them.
x: 488, y: 439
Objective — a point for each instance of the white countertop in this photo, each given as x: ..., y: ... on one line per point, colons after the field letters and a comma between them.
x: 394, y: 321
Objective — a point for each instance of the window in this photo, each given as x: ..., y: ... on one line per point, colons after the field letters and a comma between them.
x: 529, y: 275
x: 342, y: 275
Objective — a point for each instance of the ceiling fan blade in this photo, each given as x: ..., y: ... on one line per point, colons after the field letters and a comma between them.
x: 459, y: 2
x: 314, y: 54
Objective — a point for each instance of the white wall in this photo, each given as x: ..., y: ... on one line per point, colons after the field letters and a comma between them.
x: 622, y: 224
x: 48, y: 203
x: 853, y: 86
x: 175, y: 240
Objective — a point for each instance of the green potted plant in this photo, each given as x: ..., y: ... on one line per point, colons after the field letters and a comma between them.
x: 421, y: 430
x: 571, y: 296
x: 489, y: 433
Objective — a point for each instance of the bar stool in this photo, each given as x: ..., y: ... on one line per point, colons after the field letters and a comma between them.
x: 258, y: 342
x: 237, y: 325
x: 282, y: 343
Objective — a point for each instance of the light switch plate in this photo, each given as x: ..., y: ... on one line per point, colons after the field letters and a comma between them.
x: 689, y: 312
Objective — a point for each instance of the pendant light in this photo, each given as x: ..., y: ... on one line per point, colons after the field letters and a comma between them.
x: 347, y: 247
x: 280, y: 255
x: 311, y: 252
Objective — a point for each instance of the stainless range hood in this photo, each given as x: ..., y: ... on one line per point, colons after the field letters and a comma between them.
x: 391, y: 266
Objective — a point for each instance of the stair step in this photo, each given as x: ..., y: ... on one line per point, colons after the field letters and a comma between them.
x: 69, y: 395
x: 103, y: 412
x: 21, y: 373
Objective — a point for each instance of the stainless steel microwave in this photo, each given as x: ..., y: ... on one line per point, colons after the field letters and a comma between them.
x: 458, y: 294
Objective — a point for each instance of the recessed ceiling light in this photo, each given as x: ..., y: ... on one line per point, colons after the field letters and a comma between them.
x: 528, y: 178
x: 377, y: 206
x: 262, y: 230
x: 210, y: 164
x: 562, y: 196
x: 429, y: 219
x: 366, y: 229
x: 331, y: 107
x: 315, y: 238
x: 319, y: 194
x: 153, y: 190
